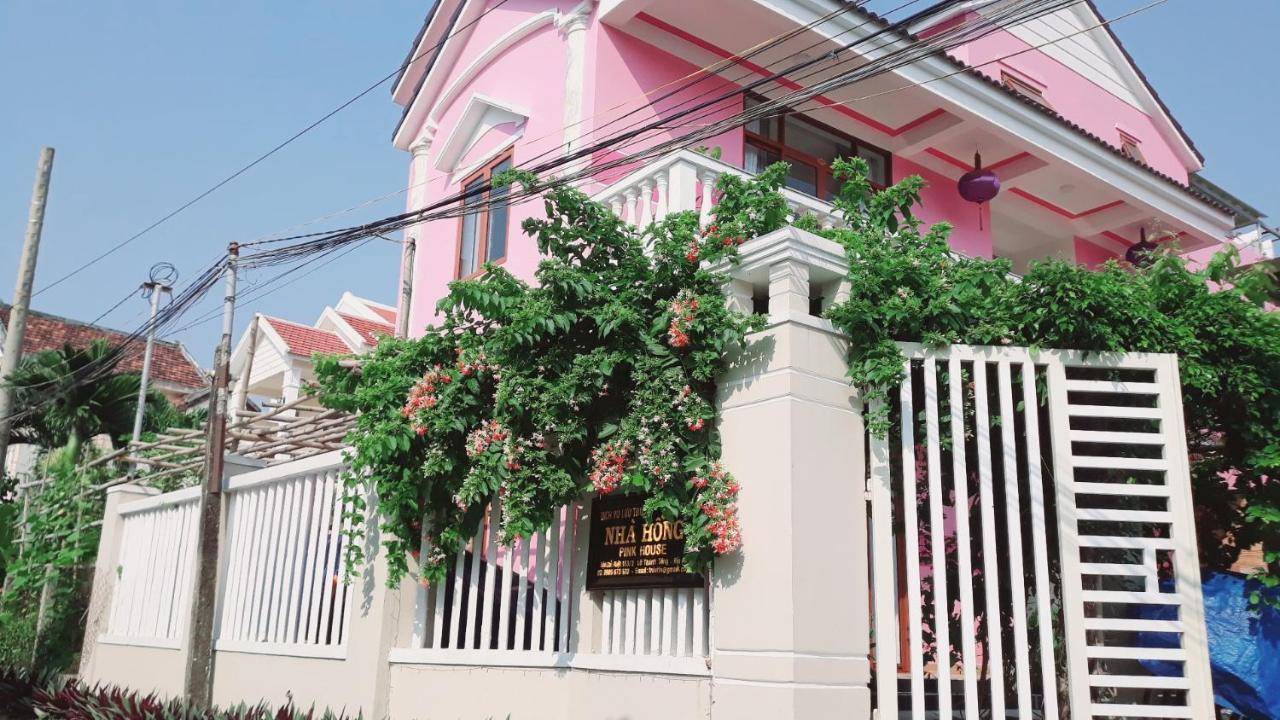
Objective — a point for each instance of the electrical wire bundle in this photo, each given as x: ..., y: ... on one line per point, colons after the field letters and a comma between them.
x: 888, y: 48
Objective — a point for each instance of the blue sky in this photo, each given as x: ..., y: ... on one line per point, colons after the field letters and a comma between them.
x: 149, y: 103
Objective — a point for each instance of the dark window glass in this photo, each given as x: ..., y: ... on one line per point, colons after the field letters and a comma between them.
x: 498, y: 214
x: 468, y: 257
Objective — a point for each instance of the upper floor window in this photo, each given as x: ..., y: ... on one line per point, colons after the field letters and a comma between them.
x: 483, y: 237
x: 1024, y: 88
x: 1130, y: 147
x: 810, y: 148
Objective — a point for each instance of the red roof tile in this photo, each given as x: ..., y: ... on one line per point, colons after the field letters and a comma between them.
x: 370, y: 330
x: 169, y: 363
x: 385, y: 313
x: 307, y: 341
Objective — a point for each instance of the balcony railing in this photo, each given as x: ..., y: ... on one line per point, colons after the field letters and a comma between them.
x: 686, y: 180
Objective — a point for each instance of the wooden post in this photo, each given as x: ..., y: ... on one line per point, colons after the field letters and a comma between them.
x: 198, y: 681
x: 22, y: 296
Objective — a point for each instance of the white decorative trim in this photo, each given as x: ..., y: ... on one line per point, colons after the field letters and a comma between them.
x: 482, y: 114
x: 648, y: 664
x: 176, y: 497
x: 487, y: 56
x: 318, y: 652
x: 308, y: 465
x: 152, y: 643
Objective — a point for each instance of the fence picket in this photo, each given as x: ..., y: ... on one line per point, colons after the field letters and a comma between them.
x: 960, y: 476
x: 1040, y: 541
x: 938, y: 537
x: 990, y: 570
x: 1013, y: 516
x: 911, y: 527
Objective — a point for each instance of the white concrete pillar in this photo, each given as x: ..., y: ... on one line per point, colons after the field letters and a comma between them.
x: 291, y: 386
x: 791, y: 625
x: 574, y: 26
x: 105, y: 576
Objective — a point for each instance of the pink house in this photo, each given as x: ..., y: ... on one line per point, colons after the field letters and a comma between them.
x: 1087, y: 154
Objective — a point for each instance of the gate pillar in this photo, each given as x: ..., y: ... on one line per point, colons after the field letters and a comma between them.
x: 791, y: 628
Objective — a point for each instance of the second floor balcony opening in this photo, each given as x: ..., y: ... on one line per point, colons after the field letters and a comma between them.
x: 809, y: 147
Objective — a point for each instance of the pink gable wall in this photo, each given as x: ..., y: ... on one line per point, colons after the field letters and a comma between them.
x: 1079, y: 99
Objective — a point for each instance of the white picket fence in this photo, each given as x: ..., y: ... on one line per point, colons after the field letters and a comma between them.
x: 519, y: 605
x: 157, y: 557
x: 283, y: 588
x: 1069, y: 520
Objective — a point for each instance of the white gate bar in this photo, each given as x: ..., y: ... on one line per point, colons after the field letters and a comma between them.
x: 911, y: 526
x: 490, y: 572
x: 1013, y: 515
x: 964, y: 538
x: 504, y: 601
x: 325, y: 490
x: 883, y: 583
x: 473, y: 589
x: 1040, y: 542
x: 938, y: 538
x: 566, y: 604
x: 990, y: 570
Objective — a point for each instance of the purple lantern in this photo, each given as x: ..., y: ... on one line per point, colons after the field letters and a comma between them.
x: 979, y: 185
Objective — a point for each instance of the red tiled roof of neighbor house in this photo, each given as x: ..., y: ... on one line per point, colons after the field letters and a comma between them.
x: 385, y: 313
x: 170, y: 363
x: 307, y: 341
x: 370, y: 330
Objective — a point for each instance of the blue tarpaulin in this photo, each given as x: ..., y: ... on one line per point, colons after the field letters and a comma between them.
x: 1244, y: 647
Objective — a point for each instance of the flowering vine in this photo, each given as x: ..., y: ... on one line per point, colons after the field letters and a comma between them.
x: 598, y: 379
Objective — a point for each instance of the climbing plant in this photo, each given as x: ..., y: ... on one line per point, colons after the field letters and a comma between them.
x: 907, y: 284
x: 601, y: 377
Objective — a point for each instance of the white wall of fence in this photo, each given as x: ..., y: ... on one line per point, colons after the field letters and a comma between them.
x: 157, y: 558
x: 283, y: 570
x: 1055, y: 486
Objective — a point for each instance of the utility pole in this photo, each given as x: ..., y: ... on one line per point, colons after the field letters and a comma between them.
x: 17, y: 329
x: 155, y: 289
x: 198, y: 680
x: 406, y: 287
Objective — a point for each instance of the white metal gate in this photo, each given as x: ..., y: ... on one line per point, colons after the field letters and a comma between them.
x: 1054, y: 486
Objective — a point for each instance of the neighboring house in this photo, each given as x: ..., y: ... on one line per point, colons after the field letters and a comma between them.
x: 174, y: 373
x: 1087, y: 153
x: 280, y: 362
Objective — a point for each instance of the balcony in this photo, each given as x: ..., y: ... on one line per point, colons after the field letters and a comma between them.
x: 686, y: 180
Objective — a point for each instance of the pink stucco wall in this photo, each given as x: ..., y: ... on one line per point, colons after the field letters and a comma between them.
x: 939, y: 202
x: 624, y: 79
x: 1078, y: 98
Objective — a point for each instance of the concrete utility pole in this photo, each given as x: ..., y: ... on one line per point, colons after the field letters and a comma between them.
x: 17, y: 329
x: 198, y: 681
x: 406, y: 287
x: 156, y: 289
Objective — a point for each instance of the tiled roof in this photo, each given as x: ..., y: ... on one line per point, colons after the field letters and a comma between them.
x: 169, y: 363
x: 307, y: 341
x: 370, y: 330
x: 385, y: 313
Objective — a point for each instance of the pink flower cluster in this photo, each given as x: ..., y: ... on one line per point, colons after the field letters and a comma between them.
x: 479, y: 365
x: 718, y: 495
x: 482, y: 437
x: 726, y: 240
x: 422, y: 396
x: 683, y: 310
x: 609, y: 463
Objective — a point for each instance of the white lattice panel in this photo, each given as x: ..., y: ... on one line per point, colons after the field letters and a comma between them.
x: 1055, y: 489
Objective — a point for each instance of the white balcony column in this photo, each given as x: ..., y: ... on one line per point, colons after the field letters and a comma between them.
x: 788, y: 290
x: 708, y: 194
x: 792, y: 623
x: 615, y: 204
x: 682, y: 190
x: 629, y: 212
x: 291, y: 386
x: 661, y: 206
x: 574, y: 27
x: 738, y: 296
x: 646, y: 203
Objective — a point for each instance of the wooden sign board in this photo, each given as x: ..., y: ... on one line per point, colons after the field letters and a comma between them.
x: 629, y: 551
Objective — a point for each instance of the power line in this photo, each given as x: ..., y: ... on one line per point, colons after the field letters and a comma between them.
x: 325, y: 244
x: 266, y: 154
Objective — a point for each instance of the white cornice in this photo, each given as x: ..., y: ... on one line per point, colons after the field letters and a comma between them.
x: 417, y: 110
